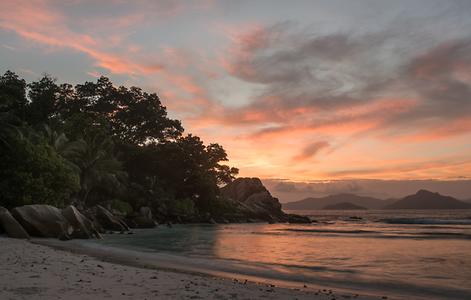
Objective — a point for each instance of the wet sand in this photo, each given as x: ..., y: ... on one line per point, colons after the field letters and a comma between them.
x: 33, y: 271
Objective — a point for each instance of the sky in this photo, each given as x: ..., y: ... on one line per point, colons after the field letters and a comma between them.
x: 297, y: 92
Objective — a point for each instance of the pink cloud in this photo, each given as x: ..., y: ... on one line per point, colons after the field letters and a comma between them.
x: 39, y: 22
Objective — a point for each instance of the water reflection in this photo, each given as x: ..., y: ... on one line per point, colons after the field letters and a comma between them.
x: 362, y: 253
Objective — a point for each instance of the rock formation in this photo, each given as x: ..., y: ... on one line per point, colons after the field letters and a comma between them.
x: 109, y: 221
x: 297, y: 219
x: 42, y: 221
x: 83, y: 228
x: 11, y: 226
x: 253, y: 200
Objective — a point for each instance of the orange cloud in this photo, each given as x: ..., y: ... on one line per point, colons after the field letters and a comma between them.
x: 37, y: 21
x: 311, y: 150
x: 450, y: 129
x: 440, y: 169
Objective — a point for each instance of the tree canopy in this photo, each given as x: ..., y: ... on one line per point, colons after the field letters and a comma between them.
x: 96, y: 143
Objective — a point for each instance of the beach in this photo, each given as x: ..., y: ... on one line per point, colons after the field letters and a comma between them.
x: 33, y: 271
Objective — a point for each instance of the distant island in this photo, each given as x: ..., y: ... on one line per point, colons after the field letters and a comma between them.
x: 423, y: 199
x: 344, y: 206
x: 320, y: 203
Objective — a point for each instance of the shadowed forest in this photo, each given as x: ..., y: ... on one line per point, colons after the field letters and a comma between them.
x: 95, y: 143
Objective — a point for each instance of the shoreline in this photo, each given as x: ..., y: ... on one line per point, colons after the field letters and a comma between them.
x: 50, y: 269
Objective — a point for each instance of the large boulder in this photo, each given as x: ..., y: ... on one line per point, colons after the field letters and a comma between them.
x: 253, y: 200
x: 83, y: 228
x: 11, y: 226
x: 109, y: 221
x: 42, y: 221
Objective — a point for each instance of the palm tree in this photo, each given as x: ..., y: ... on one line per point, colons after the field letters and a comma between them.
x: 61, y: 144
x: 99, y: 168
x: 8, y: 129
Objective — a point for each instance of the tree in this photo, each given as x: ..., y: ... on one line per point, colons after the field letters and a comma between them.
x: 99, y: 168
x: 223, y: 173
x: 43, y: 98
x: 98, y: 142
x: 135, y: 117
x: 182, y: 169
x: 8, y: 129
x: 13, y: 95
x: 12, y: 106
x: 33, y: 173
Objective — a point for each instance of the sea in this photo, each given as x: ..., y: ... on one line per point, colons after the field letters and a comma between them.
x: 409, y: 254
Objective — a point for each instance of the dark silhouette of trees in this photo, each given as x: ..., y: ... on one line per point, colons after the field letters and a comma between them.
x: 98, y: 143
x: 32, y: 172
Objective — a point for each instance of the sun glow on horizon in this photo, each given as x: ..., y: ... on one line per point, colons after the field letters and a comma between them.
x: 286, y: 99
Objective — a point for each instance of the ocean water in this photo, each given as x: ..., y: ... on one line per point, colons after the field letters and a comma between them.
x: 407, y: 254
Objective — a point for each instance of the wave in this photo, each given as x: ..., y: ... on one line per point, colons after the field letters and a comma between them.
x: 358, y: 231
x: 385, y: 235
x: 446, y: 234
x: 287, y: 275
x: 426, y: 221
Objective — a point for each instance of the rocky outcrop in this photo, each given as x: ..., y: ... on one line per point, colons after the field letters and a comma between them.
x: 108, y: 221
x: 11, y: 226
x: 253, y: 201
x: 42, y: 221
x: 83, y: 228
x: 297, y: 219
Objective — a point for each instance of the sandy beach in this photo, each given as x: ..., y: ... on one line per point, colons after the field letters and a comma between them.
x: 33, y: 271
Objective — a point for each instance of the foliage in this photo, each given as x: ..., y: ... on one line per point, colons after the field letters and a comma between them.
x: 121, y: 206
x: 13, y: 95
x: 95, y: 142
x: 181, y: 207
x: 98, y: 167
x: 35, y: 173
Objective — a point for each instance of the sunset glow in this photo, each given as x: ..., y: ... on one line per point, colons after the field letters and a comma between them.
x: 288, y: 93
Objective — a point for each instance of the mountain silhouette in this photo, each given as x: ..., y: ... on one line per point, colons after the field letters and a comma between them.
x: 320, y: 203
x: 424, y: 199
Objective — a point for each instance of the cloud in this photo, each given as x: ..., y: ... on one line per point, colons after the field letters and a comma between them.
x: 39, y: 22
x: 349, y: 88
x: 277, y: 96
x: 315, y: 81
x: 101, y: 33
x: 312, y: 150
x: 285, y: 187
x: 406, y: 170
x: 8, y: 47
x: 288, y: 191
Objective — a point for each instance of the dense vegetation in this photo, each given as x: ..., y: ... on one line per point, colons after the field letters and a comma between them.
x: 100, y: 144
